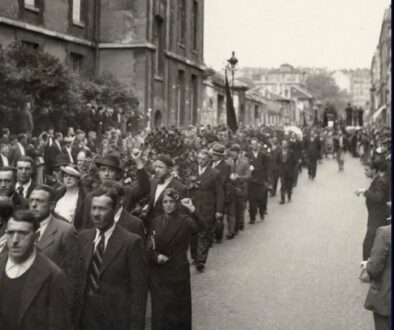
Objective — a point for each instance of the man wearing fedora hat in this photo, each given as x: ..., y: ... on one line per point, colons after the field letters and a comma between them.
x: 218, y: 153
x: 109, y: 169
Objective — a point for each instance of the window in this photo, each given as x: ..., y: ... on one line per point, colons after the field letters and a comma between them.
x: 29, y: 44
x: 181, y: 21
x: 76, y: 11
x: 158, y: 36
x: 76, y: 62
x: 31, y: 3
x: 180, y: 94
x: 195, y: 25
x: 193, y: 99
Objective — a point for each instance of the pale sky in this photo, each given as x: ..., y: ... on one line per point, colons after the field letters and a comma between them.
x: 334, y: 34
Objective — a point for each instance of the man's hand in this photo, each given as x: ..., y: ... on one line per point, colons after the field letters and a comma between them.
x: 360, y: 191
x: 161, y: 259
x: 187, y: 202
x: 233, y: 176
x: 136, y: 154
x: 219, y: 216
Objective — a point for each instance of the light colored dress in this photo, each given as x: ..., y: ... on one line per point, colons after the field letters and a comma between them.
x: 67, y: 205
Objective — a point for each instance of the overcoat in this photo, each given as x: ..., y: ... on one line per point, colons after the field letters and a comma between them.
x: 45, y: 287
x: 379, y: 270
x: 170, y: 282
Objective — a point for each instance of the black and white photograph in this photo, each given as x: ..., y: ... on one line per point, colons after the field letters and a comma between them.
x: 195, y: 165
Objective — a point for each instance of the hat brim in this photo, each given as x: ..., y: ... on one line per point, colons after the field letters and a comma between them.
x: 108, y: 163
x: 73, y: 173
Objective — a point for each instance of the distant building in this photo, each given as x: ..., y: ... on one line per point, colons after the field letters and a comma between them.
x: 360, y: 84
x: 154, y: 47
x: 380, y: 74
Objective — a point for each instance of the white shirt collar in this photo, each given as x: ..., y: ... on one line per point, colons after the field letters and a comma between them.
x: 108, y: 233
x: 118, y: 213
x: 43, y: 226
x: 14, y: 270
x: 201, y: 170
x: 161, y: 187
x: 25, y: 186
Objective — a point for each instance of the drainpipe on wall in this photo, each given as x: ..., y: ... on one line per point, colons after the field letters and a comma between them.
x: 97, y: 12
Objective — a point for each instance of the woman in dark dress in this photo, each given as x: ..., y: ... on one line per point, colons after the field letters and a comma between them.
x: 169, y: 266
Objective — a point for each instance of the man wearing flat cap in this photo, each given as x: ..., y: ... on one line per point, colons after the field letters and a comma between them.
x: 109, y: 168
x: 164, y: 179
x: 218, y: 153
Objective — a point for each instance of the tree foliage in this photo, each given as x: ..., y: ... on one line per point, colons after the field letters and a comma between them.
x: 57, y: 93
x: 323, y: 87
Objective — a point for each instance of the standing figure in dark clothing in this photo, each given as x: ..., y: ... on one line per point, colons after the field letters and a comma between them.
x: 287, y: 163
x: 376, y: 198
x: 169, y: 266
x: 312, y: 149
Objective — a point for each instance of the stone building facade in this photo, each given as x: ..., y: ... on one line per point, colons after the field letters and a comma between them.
x: 380, y: 75
x: 155, y: 47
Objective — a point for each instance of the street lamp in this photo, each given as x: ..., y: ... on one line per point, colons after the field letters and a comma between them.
x: 232, y: 63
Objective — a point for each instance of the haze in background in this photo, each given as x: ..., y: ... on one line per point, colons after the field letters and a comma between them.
x: 333, y: 34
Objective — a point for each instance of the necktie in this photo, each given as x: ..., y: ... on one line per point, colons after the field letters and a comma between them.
x: 38, y: 236
x: 94, y: 273
x: 19, y: 190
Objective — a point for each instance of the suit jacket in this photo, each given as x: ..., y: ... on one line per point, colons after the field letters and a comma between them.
x: 345, y: 143
x: 19, y: 202
x: 50, y: 155
x: 260, y: 172
x: 239, y: 187
x: 80, y: 207
x: 132, y: 224
x: 58, y: 243
x: 30, y: 189
x: 379, y: 270
x: 2, y: 163
x: 376, y: 197
x: 208, y: 198
x: 156, y: 209
x: 44, y: 304
x: 287, y: 165
x: 14, y: 154
x: 312, y: 148
x: 224, y: 170
x: 123, y: 278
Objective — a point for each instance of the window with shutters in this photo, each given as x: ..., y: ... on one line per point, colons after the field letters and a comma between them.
x: 195, y: 25
x: 76, y: 11
x: 76, y: 62
x: 159, y: 38
x: 181, y: 21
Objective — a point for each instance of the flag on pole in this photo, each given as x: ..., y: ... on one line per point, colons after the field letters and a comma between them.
x: 231, y: 117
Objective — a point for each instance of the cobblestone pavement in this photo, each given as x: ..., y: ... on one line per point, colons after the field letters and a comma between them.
x: 296, y: 270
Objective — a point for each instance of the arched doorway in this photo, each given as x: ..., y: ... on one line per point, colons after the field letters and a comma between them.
x: 157, y: 121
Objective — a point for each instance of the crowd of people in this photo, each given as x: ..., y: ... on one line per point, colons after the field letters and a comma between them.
x: 93, y: 222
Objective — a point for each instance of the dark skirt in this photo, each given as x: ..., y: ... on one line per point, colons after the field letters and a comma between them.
x: 171, y: 305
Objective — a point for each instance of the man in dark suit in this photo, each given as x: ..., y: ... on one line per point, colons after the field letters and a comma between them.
x: 296, y: 145
x: 32, y: 288
x: 376, y: 198
x: 287, y: 163
x: 24, y: 172
x: 275, y: 166
x: 52, y: 152
x: 258, y: 181
x: 208, y: 198
x: 109, y: 169
x: 163, y: 179
x: 312, y: 149
x: 218, y: 153
x: 7, y: 188
x: 237, y: 191
x: 56, y: 237
x: 114, y: 285
x: 18, y: 149
x: 379, y: 270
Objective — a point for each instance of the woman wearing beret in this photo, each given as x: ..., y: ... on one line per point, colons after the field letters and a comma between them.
x: 169, y: 266
x: 71, y: 197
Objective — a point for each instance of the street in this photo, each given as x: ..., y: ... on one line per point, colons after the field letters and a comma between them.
x: 297, y: 270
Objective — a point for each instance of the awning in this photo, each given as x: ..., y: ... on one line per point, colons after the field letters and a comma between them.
x: 378, y: 112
